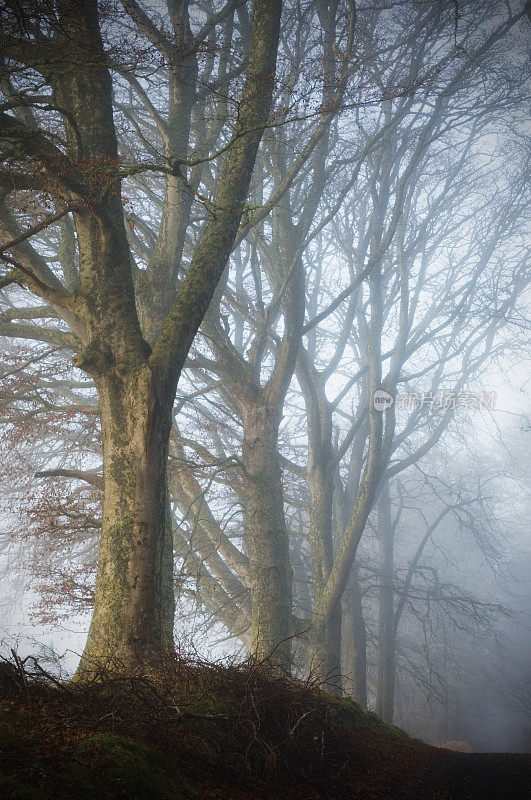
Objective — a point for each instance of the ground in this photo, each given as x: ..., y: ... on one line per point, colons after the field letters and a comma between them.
x: 194, y: 731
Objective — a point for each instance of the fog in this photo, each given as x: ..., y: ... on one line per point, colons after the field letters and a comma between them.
x: 265, y: 348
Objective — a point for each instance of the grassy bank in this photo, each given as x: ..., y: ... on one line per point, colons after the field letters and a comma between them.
x: 196, y: 731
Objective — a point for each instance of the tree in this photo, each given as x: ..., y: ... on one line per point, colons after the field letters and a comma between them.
x: 60, y: 140
x: 416, y: 319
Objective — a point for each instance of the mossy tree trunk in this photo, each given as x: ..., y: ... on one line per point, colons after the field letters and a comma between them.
x: 354, y: 641
x: 266, y: 538
x: 259, y: 406
x: 133, y: 611
x: 325, y: 633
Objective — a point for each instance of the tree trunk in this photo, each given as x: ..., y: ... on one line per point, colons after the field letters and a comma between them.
x: 325, y: 650
x: 266, y: 539
x: 325, y: 634
x: 386, y: 629
x: 354, y: 642
x: 133, y: 612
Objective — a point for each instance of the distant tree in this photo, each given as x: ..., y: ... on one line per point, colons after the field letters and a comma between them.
x: 438, y: 234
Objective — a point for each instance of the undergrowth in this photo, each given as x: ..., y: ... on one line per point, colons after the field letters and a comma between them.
x: 191, y: 730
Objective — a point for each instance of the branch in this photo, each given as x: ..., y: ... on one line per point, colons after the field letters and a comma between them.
x: 89, y: 476
x: 45, y: 223
x: 63, y: 339
x: 149, y: 30
x: 211, y: 255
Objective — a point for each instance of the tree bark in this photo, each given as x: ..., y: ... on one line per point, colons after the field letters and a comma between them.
x: 354, y: 641
x: 386, y: 629
x: 133, y: 611
x: 136, y: 383
x: 325, y: 634
x: 266, y: 538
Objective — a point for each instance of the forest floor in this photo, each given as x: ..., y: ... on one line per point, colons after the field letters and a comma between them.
x: 204, y: 731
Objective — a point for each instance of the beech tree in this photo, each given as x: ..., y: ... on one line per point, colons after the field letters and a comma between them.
x: 60, y: 140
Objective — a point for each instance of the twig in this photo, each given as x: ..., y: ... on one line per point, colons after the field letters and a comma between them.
x: 20, y: 668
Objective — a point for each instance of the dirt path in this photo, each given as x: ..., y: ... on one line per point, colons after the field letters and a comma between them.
x: 475, y: 776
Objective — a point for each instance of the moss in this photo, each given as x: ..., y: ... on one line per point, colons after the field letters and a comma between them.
x: 103, y: 766
x: 357, y: 719
x: 109, y: 766
x: 13, y: 722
